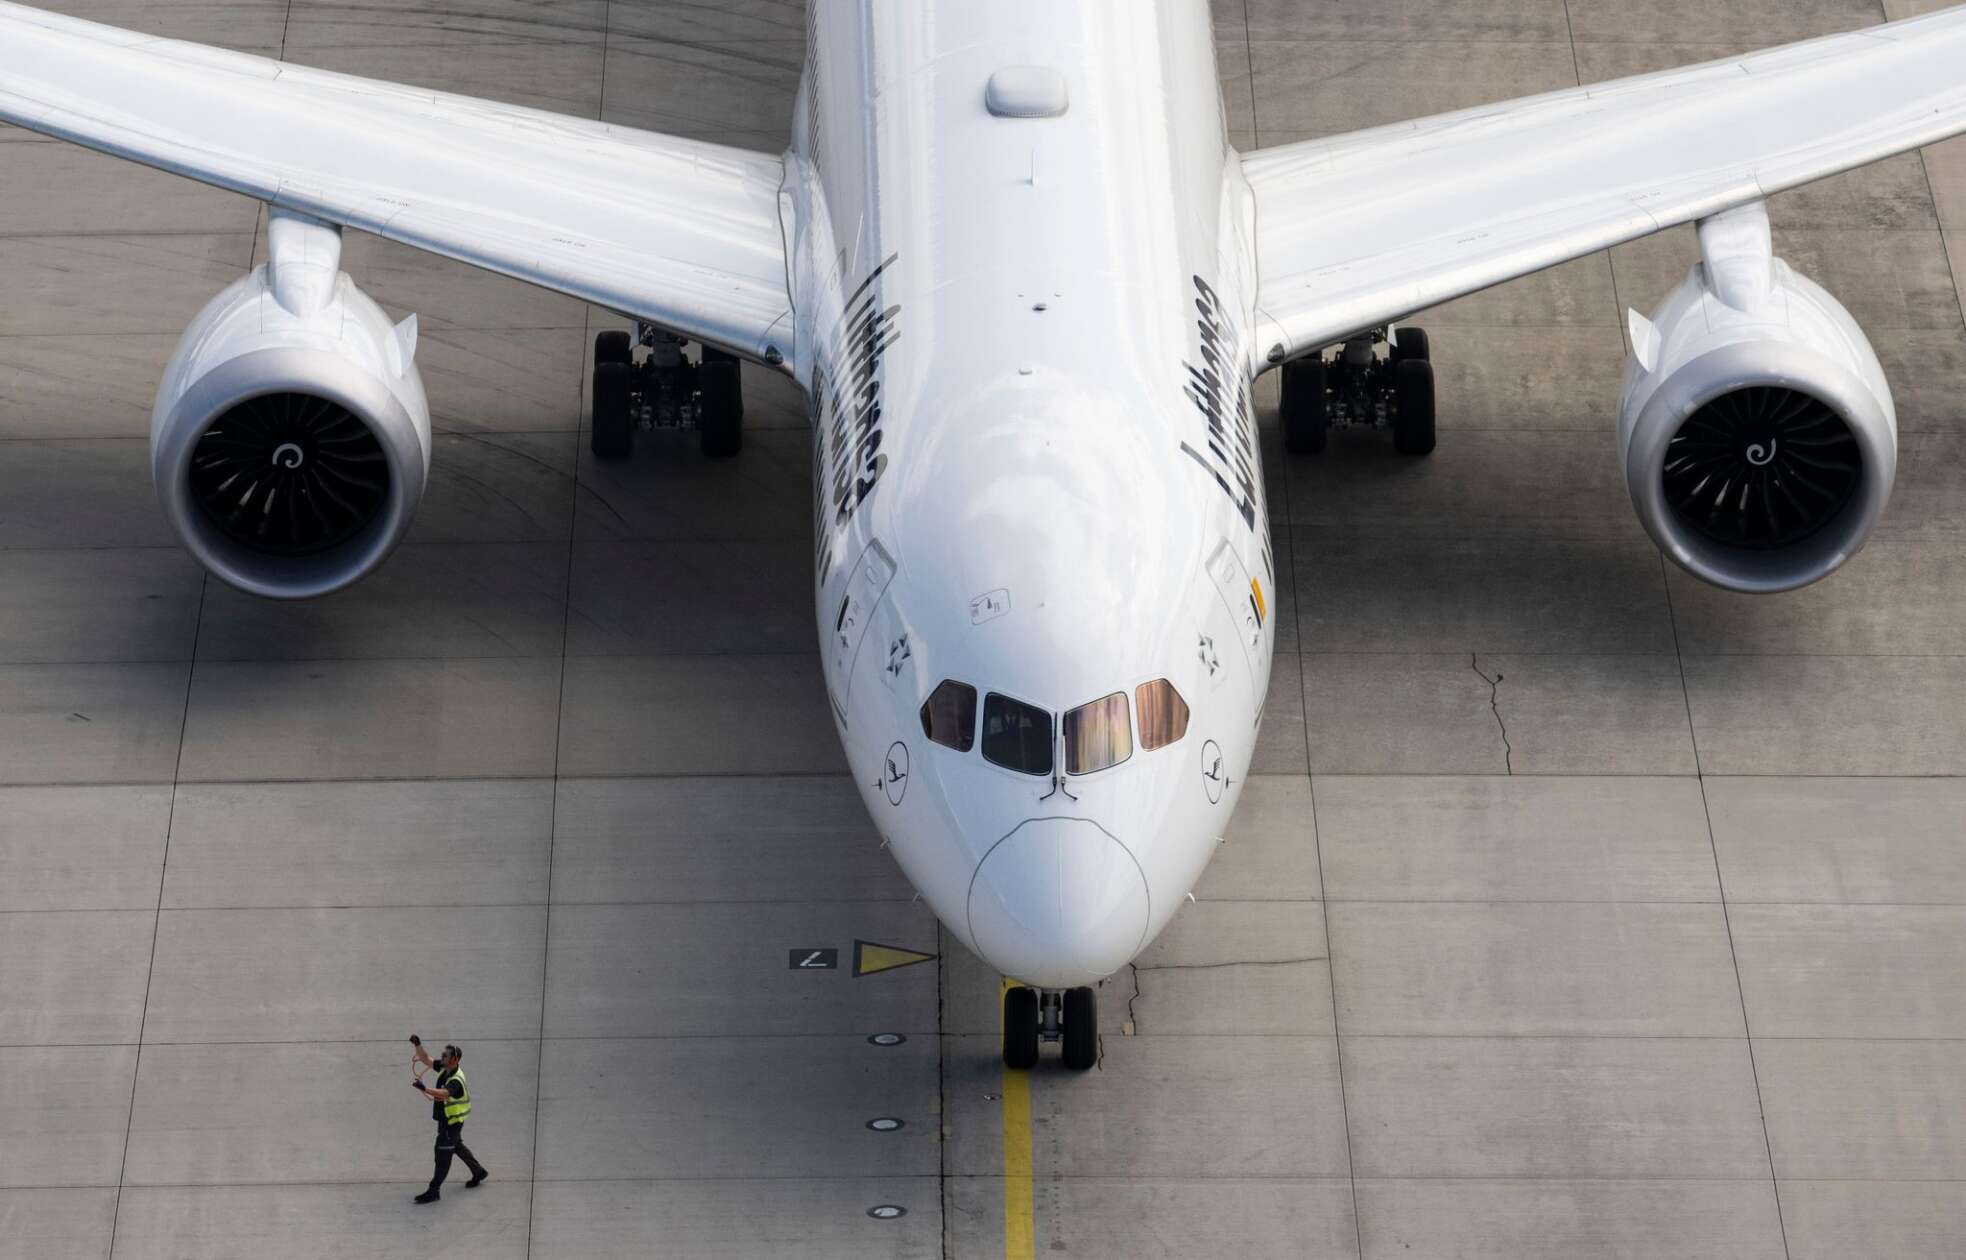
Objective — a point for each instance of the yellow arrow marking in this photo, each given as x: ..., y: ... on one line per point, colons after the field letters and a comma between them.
x: 870, y: 957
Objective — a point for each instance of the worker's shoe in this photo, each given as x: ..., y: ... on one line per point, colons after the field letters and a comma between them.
x: 476, y: 1181
x: 428, y: 1196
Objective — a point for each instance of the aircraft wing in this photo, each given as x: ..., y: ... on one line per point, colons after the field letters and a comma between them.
x: 681, y: 233
x: 1360, y: 230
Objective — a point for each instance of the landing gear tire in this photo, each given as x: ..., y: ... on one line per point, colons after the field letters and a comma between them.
x: 1413, y: 423
x: 1081, y: 1029
x: 1020, y: 1028
x: 719, y: 404
x: 1305, y: 411
x: 1410, y: 343
x: 613, y: 432
x: 613, y: 346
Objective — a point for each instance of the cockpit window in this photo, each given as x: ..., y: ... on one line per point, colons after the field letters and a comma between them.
x: 949, y: 715
x: 1097, y: 735
x: 1016, y: 736
x: 1163, y: 714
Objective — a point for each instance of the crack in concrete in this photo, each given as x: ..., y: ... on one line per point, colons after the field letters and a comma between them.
x: 1495, y: 707
x: 1135, y: 969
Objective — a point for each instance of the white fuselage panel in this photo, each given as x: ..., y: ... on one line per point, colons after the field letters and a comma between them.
x: 1035, y: 456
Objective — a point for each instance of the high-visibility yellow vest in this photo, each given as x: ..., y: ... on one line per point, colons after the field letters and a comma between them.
x: 458, y: 1105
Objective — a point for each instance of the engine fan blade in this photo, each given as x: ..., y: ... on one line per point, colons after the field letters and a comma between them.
x: 289, y: 474
x: 1761, y: 468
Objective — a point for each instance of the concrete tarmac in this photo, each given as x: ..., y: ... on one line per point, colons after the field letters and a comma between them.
x: 1575, y: 910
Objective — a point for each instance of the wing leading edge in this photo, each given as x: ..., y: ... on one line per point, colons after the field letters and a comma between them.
x: 679, y: 232
x: 1360, y: 230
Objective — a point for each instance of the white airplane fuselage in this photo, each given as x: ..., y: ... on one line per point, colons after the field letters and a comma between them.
x: 1036, y: 465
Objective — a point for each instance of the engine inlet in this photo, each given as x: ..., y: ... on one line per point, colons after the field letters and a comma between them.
x: 1761, y: 468
x: 289, y: 474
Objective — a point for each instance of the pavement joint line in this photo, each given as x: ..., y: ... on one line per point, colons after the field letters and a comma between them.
x: 1823, y: 1038
x: 481, y: 905
x: 156, y: 927
x: 513, y: 1180
x: 498, y: 905
x: 1945, y: 233
x: 1337, y: 1039
x: 803, y: 776
x: 697, y: 776
x: 1726, y: 918
x: 109, y: 235
x: 1317, y: 844
x: 804, y: 1179
x: 287, y: 661
x: 1752, y: 1179
x: 1478, y: 1035
x: 559, y: 727
x: 1945, y: 246
x: 437, y: 330
x: 1249, y: 65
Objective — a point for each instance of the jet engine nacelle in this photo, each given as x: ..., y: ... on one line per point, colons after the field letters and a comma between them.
x: 290, y: 442
x: 1757, y: 429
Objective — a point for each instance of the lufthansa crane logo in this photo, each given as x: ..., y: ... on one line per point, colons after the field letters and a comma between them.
x: 1761, y: 456
x: 1214, y: 772
x: 894, y: 775
x: 288, y: 455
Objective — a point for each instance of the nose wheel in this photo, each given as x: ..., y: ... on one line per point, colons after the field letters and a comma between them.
x: 1033, y: 1016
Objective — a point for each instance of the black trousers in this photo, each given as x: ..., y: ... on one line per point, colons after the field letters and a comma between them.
x: 450, y: 1142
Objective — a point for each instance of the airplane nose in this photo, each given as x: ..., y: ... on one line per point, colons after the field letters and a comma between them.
x: 1057, y: 903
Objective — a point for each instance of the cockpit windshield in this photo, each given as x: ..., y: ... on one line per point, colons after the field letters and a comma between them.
x: 1163, y: 714
x: 1016, y: 736
x: 1097, y: 735
x: 949, y: 715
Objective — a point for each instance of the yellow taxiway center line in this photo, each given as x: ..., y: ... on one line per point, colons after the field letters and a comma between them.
x: 1019, y: 1210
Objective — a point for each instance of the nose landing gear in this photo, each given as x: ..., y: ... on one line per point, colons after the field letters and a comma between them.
x: 1034, y: 1016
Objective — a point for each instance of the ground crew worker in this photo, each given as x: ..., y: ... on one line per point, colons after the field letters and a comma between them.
x: 450, y: 1103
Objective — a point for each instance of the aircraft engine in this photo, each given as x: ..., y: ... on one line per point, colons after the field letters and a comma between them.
x: 290, y: 442
x: 1757, y: 429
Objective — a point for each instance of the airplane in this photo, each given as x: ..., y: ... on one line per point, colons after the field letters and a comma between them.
x: 1027, y: 286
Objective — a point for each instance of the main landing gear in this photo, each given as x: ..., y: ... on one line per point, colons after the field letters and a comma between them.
x: 1033, y: 1016
x: 1357, y: 387
x: 663, y: 391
